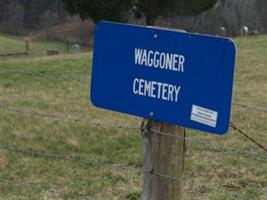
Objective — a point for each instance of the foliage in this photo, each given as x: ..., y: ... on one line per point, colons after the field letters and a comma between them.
x: 24, y: 16
x: 116, y: 9
x: 156, y: 8
x: 29, y: 14
x: 104, y: 9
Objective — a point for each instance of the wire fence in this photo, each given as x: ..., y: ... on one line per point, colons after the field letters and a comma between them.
x: 7, y: 50
x: 256, y: 108
x: 18, y: 47
x: 259, y: 154
x: 63, y: 118
x: 56, y: 157
x: 42, y: 155
x: 48, y: 75
x: 45, y: 74
x: 74, y: 195
x: 193, y: 141
x: 206, y: 145
x: 53, y: 193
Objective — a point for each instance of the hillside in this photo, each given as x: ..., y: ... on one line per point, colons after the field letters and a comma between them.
x: 55, y: 145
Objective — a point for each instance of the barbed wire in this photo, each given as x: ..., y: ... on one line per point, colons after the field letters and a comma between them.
x: 53, y: 193
x: 210, y: 146
x: 232, y: 125
x: 41, y: 154
x: 184, y: 180
x: 97, y: 124
x: 56, y: 157
x: 207, y: 145
x: 171, y: 178
x: 61, y: 117
x: 78, y: 160
x: 260, y: 109
x: 56, y: 194
x: 88, y: 197
x: 110, y: 166
x: 45, y: 74
x: 36, y: 153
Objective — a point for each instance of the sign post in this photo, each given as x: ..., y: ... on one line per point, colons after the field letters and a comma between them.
x: 164, y: 160
x: 171, y: 78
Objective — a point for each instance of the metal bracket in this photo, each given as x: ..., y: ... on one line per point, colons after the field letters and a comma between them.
x: 145, y: 128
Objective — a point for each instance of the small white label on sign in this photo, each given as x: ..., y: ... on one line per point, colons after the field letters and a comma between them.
x: 204, y: 116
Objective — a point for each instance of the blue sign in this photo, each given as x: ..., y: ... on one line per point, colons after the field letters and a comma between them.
x: 169, y: 76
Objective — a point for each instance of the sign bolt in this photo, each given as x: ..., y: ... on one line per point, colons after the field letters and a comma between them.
x: 156, y: 36
x: 151, y: 114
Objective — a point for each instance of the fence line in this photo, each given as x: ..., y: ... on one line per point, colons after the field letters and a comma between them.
x: 264, y: 110
x: 27, y: 184
x: 41, y: 154
x: 212, y: 146
x: 44, y: 75
x: 34, y: 153
x: 77, y: 78
x: 78, y: 160
x: 171, y: 178
x: 246, y: 135
x: 14, y: 54
x: 56, y: 157
x: 64, y: 118
x: 207, y: 145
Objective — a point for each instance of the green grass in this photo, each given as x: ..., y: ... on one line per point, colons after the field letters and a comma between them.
x: 15, y: 44
x: 60, y: 86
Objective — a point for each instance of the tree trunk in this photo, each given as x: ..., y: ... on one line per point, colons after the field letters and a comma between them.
x: 151, y: 13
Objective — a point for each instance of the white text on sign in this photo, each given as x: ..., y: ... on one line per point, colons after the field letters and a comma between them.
x: 161, y: 60
x: 156, y: 90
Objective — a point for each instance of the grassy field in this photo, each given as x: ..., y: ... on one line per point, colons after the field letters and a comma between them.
x: 55, y: 145
x: 14, y: 44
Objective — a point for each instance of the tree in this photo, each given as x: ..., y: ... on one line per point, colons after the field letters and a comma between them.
x: 116, y: 10
x: 22, y: 16
x: 34, y: 9
x: 152, y: 9
x: 97, y: 10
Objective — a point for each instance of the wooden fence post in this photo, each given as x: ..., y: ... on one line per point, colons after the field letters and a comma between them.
x: 27, y: 46
x: 164, y: 158
x: 68, y: 46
